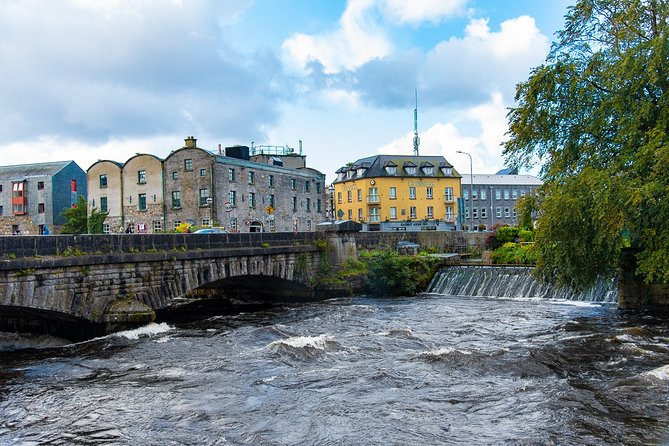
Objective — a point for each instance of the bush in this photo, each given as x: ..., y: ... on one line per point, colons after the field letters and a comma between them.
x: 525, y: 235
x: 514, y: 254
x: 390, y: 274
x: 506, y: 234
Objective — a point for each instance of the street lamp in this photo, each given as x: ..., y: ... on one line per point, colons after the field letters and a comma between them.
x: 471, y: 189
x: 331, y: 210
x: 209, y: 202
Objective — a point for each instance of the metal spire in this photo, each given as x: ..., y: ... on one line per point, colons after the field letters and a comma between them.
x: 416, y: 139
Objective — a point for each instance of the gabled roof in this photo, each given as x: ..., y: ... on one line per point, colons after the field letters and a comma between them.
x: 22, y: 171
x: 378, y: 163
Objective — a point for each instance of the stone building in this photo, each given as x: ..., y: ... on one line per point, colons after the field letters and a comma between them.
x: 201, y: 188
x: 32, y: 196
x: 105, y: 193
x: 142, y: 178
x: 494, y: 198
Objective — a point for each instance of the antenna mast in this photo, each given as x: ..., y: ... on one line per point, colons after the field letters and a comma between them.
x: 416, y: 139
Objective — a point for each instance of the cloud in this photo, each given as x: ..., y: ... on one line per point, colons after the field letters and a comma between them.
x: 120, y: 67
x: 357, y: 40
x: 417, y: 11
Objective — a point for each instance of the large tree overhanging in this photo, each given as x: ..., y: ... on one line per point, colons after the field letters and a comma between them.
x: 595, y: 116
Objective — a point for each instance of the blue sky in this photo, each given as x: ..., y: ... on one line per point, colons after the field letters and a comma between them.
x: 91, y: 79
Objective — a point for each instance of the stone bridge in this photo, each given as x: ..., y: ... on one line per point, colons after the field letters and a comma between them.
x: 82, y: 286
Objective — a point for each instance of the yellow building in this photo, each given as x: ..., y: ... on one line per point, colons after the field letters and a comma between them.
x: 398, y: 192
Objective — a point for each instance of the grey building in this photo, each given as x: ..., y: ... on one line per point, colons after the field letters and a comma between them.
x: 491, y: 200
x: 32, y: 196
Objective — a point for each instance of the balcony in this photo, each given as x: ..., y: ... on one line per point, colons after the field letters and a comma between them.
x: 449, y: 199
x: 373, y: 199
x: 374, y: 219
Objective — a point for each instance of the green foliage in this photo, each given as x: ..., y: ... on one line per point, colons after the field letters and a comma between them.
x: 515, y: 254
x: 390, y: 274
x: 526, y: 235
x: 78, y: 220
x: 595, y: 115
x: 264, y: 245
x: 73, y: 251
x: 506, y: 234
x: 527, y: 207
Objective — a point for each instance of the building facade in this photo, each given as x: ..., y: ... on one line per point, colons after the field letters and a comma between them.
x: 105, y: 192
x: 201, y: 188
x: 32, y: 196
x: 492, y: 200
x: 395, y: 192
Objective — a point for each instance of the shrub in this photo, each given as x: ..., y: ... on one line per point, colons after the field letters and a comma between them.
x: 506, y: 234
x: 514, y: 254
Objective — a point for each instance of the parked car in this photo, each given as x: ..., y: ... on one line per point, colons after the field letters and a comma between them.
x: 211, y: 231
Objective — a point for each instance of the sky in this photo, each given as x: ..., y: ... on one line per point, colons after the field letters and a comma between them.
x: 86, y: 80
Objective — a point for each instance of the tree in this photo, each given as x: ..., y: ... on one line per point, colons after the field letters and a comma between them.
x: 78, y: 220
x: 595, y: 115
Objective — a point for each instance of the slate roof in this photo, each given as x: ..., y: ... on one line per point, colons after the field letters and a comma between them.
x: 376, y: 167
x: 23, y: 171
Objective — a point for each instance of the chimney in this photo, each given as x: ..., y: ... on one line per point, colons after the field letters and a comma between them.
x: 220, y: 152
x: 190, y: 142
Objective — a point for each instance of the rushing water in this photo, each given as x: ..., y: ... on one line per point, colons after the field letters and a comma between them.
x: 432, y: 370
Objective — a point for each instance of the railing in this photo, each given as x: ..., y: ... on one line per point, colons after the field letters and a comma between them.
x: 373, y: 199
x: 374, y: 219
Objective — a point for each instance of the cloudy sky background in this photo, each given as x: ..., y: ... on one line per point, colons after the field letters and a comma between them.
x: 105, y: 79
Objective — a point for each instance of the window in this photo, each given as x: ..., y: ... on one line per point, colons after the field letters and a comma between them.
x: 103, y: 204
x: 483, y: 194
x: 350, y: 214
x: 506, y: 194
x: 188, y: 164
x: 360, y: 214
x: 349, y: 196
x: 339, y: 197
x: 176, y: 199
x: 361, y: 171
x: 373, y: 195
x: 18, y: 198
x: 306, y: 186
x: 428, y: 170
x: 175, y: 175
x: 483, y: 213
x: 294, y: 203
x: 522, y: 192
x: 271, y: 200
x: 204, y: 196
x: 252, y: 177
x: 507, y: 213
x: 0, y: 187
x: 233, y: 224
x: 374, y: 215
x: 141, y: 177
x: 1, y: 210
x: 474, y: 194
x: 393, y: 213
x: 393, y: 193
x: 252, y: 199
x: 231, y: 174
x: 515, y: 213
x: 412, y: 212
x: 318, y: 188
x: 391, y: 170
x: 449, y: 213
x: 40, y: 208
x: 412, y: 193
x: 272, y: 226
x: 448, y: 193
x: 176, y: 223
x: 475, y: 212
x: 498, y: 212
x: 318, y: 206
x: 498, y: 194
x: 73, y: 185
x: 105, y: 228
x: 103, y: 181
x: 205, y: 221
x: 308, y: 204
x: 465, y: 194
x: 411, y: 170
x: 428, y: 193
x: 232, y: 198
x: 293, y: 185
x: 447, y: 171
x: 270, y: 182
x: 157, y: 226
x: 141, y: 202
x: 359, y: 194
x: 430, y: 212
x: 40, y: 185
x: 514, y: 194
x: 466, y: 213
x: 203, y: 172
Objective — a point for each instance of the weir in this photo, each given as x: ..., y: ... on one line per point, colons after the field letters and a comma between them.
x: 508, y: 282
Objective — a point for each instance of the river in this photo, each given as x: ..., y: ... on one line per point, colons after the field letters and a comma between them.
x: 436, y: 369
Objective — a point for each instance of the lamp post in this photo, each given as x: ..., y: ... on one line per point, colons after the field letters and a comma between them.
x: 209, y: 202
x: 471, y: 190
x: 331, y: 210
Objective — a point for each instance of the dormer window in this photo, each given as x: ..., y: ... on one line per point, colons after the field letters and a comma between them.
x: 349, y: 174
x: 428, y: 170
x: 448, y: 171
x: 360, y: 172
x: 410, y: 170
x: 391, y: 170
